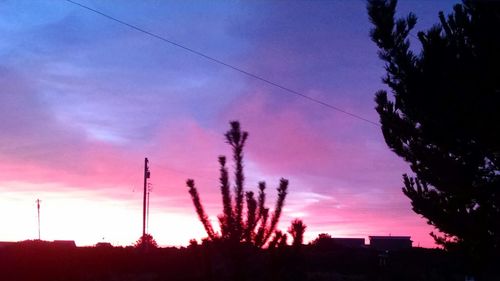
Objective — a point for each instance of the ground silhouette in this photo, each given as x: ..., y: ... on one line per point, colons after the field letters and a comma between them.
x: 42, y: 261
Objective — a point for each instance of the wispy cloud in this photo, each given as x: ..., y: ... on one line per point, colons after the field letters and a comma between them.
x: 84, y: 100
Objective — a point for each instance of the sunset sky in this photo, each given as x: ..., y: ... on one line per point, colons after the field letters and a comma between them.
x: 84, y: 99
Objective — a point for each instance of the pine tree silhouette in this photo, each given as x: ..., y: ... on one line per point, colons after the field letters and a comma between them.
x: 444, y: 119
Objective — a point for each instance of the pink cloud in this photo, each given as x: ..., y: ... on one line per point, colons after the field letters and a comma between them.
x: 347, y: 182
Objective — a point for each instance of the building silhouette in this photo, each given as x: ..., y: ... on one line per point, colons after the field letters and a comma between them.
x: 349, y: 242
x: 390, y: 243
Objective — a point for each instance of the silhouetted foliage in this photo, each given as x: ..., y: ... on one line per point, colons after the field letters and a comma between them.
x: 297, y: 229
x: 321, y: 237
x: 444, y: 118
x: 199, y: 209
x: 324, y: 241
x: 193, y: 243
x: 258, y: 226
x: 279, y: 240
x: 146, y: 242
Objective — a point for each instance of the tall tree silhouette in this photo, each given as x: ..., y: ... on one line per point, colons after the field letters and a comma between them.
x: 258, y: 226
x: 444, y: 118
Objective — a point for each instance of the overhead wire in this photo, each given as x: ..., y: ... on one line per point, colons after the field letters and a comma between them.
x: 220, y: 62
x: 228, y: 65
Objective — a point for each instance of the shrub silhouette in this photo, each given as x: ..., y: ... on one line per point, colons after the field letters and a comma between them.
x: 296, y: 230
x: 146, y: 241
x: 279, y: 240
x: 324, y: 240
x: 259, y: 225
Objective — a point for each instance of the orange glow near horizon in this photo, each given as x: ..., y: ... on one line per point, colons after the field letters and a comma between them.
x: 89, y: 218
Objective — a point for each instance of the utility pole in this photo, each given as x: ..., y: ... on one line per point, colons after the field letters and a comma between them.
x: 146, y: 177
x: 38, y: 209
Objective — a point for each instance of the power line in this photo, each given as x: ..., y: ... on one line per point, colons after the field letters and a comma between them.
x: 220, y: 62
x: 235, y: 68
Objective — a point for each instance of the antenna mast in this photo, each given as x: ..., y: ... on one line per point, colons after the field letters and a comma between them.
x: 147, y: 174
x: 38, y: 209
x: 150, y: 188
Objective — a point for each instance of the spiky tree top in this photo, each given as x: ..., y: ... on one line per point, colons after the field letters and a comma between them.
x: 257, y: 228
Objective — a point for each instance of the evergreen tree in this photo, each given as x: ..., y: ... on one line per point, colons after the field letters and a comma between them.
x: 444, y: 118
x: 258, y: 226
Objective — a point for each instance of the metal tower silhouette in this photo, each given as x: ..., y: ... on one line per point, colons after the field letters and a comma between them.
x: 38, y: 209
x: 150, y: 188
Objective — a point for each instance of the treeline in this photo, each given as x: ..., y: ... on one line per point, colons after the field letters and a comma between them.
x: 212, y: 261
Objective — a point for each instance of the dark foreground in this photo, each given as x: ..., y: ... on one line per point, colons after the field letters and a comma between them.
x: 39, y: 261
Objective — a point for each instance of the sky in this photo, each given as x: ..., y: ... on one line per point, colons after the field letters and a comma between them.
x: 85, y: 99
